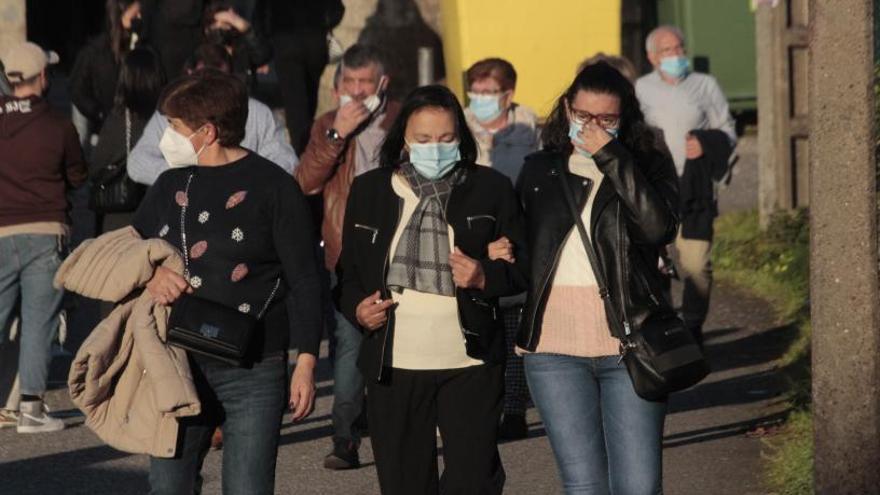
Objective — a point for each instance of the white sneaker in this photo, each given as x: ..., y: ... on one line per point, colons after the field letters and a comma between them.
x: 33, y: 418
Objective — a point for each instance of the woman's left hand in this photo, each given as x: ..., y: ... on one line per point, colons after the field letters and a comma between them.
x: 594, y: 137
x: 302, y: 387
x: 467, y: 273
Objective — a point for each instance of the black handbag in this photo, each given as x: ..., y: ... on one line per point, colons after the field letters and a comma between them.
x: 208, y: 328
x: 662, y: 356
x: 112, y: 190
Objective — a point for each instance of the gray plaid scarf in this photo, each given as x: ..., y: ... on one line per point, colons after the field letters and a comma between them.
x: 421, y: 260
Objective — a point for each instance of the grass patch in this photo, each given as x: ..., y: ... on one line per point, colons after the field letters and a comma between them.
x: 774, y: 264
x: 790, y: 468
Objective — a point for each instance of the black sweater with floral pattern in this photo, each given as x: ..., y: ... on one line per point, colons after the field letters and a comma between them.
x: 247, y: 224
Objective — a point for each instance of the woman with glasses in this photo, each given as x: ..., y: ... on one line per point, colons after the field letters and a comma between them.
x: 418, y: 281
x: 606, y: 439
x: 505, y: 132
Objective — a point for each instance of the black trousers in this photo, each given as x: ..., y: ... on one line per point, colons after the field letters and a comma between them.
x: 404, y: 413
x: 300, y: 58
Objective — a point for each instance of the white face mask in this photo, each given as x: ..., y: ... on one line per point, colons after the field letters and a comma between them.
x: 178, y: 150
x: 372, y: 102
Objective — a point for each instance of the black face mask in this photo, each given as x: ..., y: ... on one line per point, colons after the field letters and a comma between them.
x: 225, y: 37
x: 137, y: 26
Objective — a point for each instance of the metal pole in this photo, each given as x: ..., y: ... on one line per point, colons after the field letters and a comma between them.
x: 426, y: 65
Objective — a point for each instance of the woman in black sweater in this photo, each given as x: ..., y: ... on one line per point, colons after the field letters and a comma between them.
x: 418, y: 280
x: 247, y: 237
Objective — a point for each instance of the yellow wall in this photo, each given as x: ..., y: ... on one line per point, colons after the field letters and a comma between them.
x: 545, y: 40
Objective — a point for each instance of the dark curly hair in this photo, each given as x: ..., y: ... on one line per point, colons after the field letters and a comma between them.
x: 436, y: 96
x: 604, y: 79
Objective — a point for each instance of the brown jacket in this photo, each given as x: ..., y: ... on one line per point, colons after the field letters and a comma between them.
x: 130, y: 384
x: 40, y: 160
x: 329, y: 168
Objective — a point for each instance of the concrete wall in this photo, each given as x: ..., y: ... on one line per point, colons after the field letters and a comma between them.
x: 399, y: 27
x: 843, y: 249
x: 12, y: 23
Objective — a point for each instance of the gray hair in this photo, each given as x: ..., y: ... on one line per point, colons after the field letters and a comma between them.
x: 666, y: 28
x: 358, y: 56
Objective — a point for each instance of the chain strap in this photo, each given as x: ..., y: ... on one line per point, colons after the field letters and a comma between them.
x: 186, y: 273
x: 127, y: 132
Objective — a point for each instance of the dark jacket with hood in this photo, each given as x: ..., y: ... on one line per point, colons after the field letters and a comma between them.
x: 698, y: 198
x: 40, y: 158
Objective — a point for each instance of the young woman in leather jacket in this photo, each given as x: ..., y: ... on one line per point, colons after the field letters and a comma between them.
x: 606, y: 439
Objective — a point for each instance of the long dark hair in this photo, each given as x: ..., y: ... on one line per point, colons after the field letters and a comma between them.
x: 119, y: 37
x: 141, y: 80
x: 604, y: 79
x: 434, y: 96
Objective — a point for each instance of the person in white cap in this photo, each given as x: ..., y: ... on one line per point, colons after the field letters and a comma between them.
x: 40, y: 159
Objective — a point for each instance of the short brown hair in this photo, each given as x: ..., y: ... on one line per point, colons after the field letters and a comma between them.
x: 497, y: 68
x: 209, y: 96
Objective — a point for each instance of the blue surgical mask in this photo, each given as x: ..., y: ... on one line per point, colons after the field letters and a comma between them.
x: 485, y: 108
x: 434, y: 160
x: 676, y: 66
x: 574, y: 129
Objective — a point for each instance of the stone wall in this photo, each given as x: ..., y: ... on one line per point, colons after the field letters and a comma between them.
x: 398, y: 27
x: 12, y: 23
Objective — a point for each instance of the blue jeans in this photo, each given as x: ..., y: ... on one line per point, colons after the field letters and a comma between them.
x: 606, y: 439
x: 348, y: 383
x: 248, y: 403
x: 28, y: 263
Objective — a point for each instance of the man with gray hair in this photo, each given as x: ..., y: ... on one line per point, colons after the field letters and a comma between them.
x: 345, y: 143
x: 693, y: 114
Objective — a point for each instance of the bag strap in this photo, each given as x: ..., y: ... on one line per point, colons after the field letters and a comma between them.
x: 598, y: 273
x: 127, y: 132
x: 185, y: 249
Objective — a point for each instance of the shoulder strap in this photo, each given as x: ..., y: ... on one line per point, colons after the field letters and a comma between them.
x: 127, y: 132
x: 588, y: 247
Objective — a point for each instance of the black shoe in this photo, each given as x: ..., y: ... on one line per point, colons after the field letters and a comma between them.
x: 344, y: 456
x: 513, y: 427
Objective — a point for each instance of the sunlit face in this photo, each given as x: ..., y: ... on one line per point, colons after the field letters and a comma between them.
x: 666, y: 44
x: 359, y: 83
x: 431, y: 125
x: 602, y: 108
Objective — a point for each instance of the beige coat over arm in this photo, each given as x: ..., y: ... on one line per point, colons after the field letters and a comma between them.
x: 130, y: 384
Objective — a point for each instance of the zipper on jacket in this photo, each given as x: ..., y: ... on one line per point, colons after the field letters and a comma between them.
x: 556, y: 257
x: 627, y: 328
x: 372, y: 230
x: 472, y: 218
x: 387, y: 291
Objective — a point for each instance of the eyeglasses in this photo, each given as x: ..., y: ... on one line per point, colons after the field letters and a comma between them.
x: 495, y: 92
x: 606, y: 120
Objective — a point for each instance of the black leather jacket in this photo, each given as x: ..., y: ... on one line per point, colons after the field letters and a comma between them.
x: 634, y: 214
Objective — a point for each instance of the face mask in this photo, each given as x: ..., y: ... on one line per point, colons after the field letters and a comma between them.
x: 574, y: 129
x: 485, y: 108
x: 178, y: 150
x: 434, y: 160
x: 676, y: 67
x: 225, y: 37
x: 372, y: 102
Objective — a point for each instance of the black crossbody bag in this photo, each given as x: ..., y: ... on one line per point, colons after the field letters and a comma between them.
x: 208, y: 328
x: 113, y: 191
x: 662, y: 356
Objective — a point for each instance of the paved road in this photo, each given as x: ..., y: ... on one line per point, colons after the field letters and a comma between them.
x: 706, y: 446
